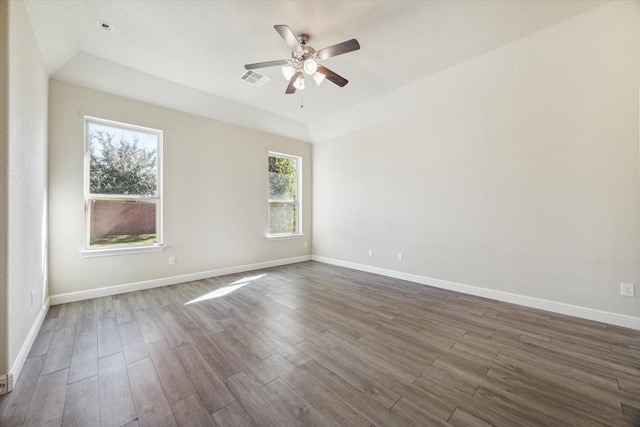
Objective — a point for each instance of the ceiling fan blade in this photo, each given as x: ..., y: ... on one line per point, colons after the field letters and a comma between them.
x: 265, y: 64
x: 339, y: 49
x: 289, y: 38
x: 332, y: 77
x: 290, y: 87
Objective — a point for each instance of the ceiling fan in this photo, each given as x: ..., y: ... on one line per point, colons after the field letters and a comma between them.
x: 305, y: 60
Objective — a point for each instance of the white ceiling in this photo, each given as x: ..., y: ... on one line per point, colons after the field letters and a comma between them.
x: 189, y: 55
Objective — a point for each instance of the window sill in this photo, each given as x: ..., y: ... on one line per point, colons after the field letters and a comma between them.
x: 92, y: 253
x: 284, y: 236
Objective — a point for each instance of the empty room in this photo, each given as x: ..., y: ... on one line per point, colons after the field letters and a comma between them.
x: 319, y: 213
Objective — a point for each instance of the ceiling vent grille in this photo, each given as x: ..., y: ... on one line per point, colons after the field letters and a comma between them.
x: 254, y: 78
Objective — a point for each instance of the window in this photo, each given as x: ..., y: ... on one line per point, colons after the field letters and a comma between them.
x: 284, y: 194
x: 123, y: 203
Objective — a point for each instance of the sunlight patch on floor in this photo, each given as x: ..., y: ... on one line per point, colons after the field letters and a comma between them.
x: 226, y: 290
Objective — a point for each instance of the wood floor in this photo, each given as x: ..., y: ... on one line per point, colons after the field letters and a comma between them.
x: 316, y: 345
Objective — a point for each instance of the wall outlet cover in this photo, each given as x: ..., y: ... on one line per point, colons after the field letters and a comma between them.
x: 626, y: 289
x: 4, y: 384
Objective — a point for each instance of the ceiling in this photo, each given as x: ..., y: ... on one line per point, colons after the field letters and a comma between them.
x: 190, y: 55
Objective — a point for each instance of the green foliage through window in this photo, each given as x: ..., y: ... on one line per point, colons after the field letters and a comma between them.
x: 123, y: 196
x: 120, y: 165
x: 283, y: 194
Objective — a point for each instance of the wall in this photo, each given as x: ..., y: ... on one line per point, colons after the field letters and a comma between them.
x: 516, y: 172
x: 215, y: 194
x: 26, y: 188
x: 4, y: 187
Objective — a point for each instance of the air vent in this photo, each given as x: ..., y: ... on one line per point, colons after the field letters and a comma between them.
x: 254, y: 78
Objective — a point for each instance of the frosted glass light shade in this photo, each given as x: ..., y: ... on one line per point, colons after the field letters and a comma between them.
x: 299, y: 83
x: 288, y: 71
x: 310, y: 66
x: 319, y: 78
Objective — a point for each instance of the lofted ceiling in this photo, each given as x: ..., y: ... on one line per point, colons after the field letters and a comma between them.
x: 190, y: 55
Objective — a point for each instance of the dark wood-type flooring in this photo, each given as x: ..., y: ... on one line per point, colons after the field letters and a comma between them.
x: 316, y: 345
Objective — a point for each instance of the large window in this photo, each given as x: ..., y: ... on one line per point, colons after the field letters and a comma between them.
x: 284, y: 194
x: 123, y: 202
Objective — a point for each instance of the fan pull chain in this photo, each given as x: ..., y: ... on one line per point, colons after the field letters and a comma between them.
x: 301, y: 99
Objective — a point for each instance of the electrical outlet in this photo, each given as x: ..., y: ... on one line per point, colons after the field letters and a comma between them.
x: 370, y: 252
x: 306, y: 244
x: 626, y: 289
x: 4, y: 384
x: 172, y: 260
x: 399, y: 256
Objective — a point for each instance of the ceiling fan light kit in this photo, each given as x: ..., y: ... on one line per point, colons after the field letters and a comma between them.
x: 288, y: 71
x: 299, y: 81
x: 310, y: 66
x: 306, y: 60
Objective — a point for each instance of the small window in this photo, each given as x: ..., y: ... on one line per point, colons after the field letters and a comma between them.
x: 123, y: 202
x: 284, y: 195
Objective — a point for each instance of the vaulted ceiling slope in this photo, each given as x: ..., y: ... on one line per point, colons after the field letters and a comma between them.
x: 189, y: 55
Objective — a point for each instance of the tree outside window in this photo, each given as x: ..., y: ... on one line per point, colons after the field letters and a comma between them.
x: 284, y: 180
x: 123, y: 188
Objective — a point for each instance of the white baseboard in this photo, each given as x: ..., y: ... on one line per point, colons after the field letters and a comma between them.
x: 623, y: 320
x: 26, y: 345
x: 148, y: 284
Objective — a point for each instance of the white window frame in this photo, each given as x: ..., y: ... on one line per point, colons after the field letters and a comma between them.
x: 157, y: 199
x: 298, y: 201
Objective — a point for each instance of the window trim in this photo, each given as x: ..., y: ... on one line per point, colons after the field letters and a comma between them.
x: 298, y: 202
x: 89, y: 251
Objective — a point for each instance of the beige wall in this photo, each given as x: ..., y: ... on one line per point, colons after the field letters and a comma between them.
x: 26, y: 161
x: 517, y: 171
x: 215, y: 193
x: 4, y: 187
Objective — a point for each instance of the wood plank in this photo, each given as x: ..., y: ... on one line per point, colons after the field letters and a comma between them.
x: 43, y: 339
x: 415, y: 414
x: 133, y: 346
x: 256, y: 345
x: 232, y: 357
x: 182, y: 316
x: 104, y: 308
x: 210, y: 387
x: 84, y: 360
x: 257, y: 403
x: 329, y: 405
x: 233, y: 415
x: 171, y: 330
x: 174, y: 379
x: 377, y: 392
x: 87, y: 317
x: 281, y: 346
x: 68, y: 316
x: 297, y: 406
x: 14, y: 406
x: 116, y: 401
x: 203, y: 318
x: 371, y: 410
x: 82, y: 408
x: 123, y: 310
x: 151, y: 403
x: 461, y: 418
x: 60, y: 350
x: 148, y: 327
x: 108, y: 337
x: 191, y: 412
x: 47, y: 405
